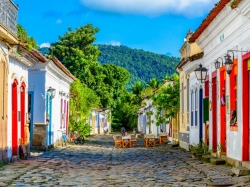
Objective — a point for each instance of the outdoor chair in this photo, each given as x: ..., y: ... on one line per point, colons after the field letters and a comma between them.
x: 117, y: 141
x: 126, y: 141
x: 163, y: 137
x: 149, y: 140
x: 134, y: 140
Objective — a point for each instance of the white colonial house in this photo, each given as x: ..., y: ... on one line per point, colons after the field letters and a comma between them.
x: 99, y: 121
x: 223, y: 95
x: 15, y: 60
x: 49, y: 93
x: 146, y: 123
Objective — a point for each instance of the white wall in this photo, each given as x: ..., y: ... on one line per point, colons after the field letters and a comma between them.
x: 18, y: 71
x: 194, y: 129
x: 234, y: 25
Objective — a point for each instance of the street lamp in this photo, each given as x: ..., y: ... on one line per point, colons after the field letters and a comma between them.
x: 217, y: 63
x: 229, y: 63
x: 201, y: 73
x: 52, y: 92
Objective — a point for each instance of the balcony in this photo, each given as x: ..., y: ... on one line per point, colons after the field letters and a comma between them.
x: 8, y: 18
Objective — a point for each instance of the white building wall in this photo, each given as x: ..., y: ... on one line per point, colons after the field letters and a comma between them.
x: 194, y: 129
x: 17, y: 71
x: 60, y: 85
x: 233, y: 26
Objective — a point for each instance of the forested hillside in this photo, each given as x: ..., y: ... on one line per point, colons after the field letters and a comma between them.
x: 142, y: 65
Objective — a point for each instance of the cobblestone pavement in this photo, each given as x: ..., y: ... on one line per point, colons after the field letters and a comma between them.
x: 97, y: 163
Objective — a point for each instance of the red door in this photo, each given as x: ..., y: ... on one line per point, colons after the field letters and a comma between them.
x: 223, y: 109
x: 22, y: 112
x: 214, y: 114
x: 14, y: 118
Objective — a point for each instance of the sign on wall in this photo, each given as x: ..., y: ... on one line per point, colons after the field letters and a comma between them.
x: 227, y: 104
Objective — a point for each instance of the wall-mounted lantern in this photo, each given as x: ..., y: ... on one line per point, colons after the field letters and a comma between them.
x: 52, y: 92
x: 201, y: 73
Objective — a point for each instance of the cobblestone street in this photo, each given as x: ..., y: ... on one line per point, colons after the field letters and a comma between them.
x: 98, y: 163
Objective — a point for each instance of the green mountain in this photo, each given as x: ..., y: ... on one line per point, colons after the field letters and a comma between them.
x: 142, y: 65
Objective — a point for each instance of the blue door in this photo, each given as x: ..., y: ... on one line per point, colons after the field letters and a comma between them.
x: 31, y: 114
x: 50, y: 133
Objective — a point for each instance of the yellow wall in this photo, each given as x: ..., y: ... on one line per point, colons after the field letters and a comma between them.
x: 184, y: 113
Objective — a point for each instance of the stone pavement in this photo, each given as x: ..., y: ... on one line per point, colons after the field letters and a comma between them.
x: 97, y: 163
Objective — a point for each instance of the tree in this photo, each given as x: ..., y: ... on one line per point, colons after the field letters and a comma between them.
x: 82, y: 101
x: 167, y: 101
x: 24, y: 38
x: 154, y: 83
x: 115, y: 80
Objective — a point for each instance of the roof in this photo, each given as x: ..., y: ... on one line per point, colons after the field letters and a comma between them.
x: 190, y: 59
x: 63, y: 68
x: 206, y: 22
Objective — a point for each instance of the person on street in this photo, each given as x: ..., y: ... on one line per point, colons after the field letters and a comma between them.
x: 123, y: 131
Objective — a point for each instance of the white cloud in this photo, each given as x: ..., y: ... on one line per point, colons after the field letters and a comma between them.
x: 46, y: 44
x: 152, y: 7
x: 115, y: 43
x: 59, y: 21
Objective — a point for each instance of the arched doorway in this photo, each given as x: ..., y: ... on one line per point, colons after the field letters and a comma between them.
x: 14, y: 118
x: 22, y: 111
x: 3, y: 106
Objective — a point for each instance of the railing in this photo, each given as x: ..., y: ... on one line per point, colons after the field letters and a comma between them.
x: 8, y: 16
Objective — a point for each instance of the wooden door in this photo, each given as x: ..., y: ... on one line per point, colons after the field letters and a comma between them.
x: 214, y: 114
x: 22, y: 112
x: 14, y: 118
x: 3, y: 108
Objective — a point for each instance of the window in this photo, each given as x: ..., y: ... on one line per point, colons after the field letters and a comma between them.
x: 196, y: 107
x: 182, y: 98
x: 192, y: 109
x: 187, y: 95
x: 61, y: 113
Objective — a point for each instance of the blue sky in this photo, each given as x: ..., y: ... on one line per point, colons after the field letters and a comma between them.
x: 153, y: 25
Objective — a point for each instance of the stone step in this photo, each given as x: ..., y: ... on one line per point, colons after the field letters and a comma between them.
x: 240, y: 171
x: 206, y: 158
x: 217, y: 161
x: 246, y: 164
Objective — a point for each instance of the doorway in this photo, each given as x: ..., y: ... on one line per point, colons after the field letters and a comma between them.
x: 3, y: 107
x: 214, y: 114
x: 22, y: 112
x: 14, y: 118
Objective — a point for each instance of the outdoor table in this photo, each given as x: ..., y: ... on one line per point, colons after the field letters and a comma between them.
x: 126, y: 141
x: 149, y: 140
x: 163, y: 137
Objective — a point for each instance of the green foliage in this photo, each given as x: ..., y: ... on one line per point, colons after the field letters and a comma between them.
x: 221, y: 147
x: 126, y: 112
x: 142, y: 65
x: 114, y: 85
x: 82, y: 101
x: 81, y: 127
x: 200, y: 149
x: 77, y: 52
x: 24, y: 38
x: 167, y: 101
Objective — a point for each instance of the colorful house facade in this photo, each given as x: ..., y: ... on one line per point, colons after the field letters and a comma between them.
x: 190, y: 112
x: 224, y: 39
x: 49, y: 93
